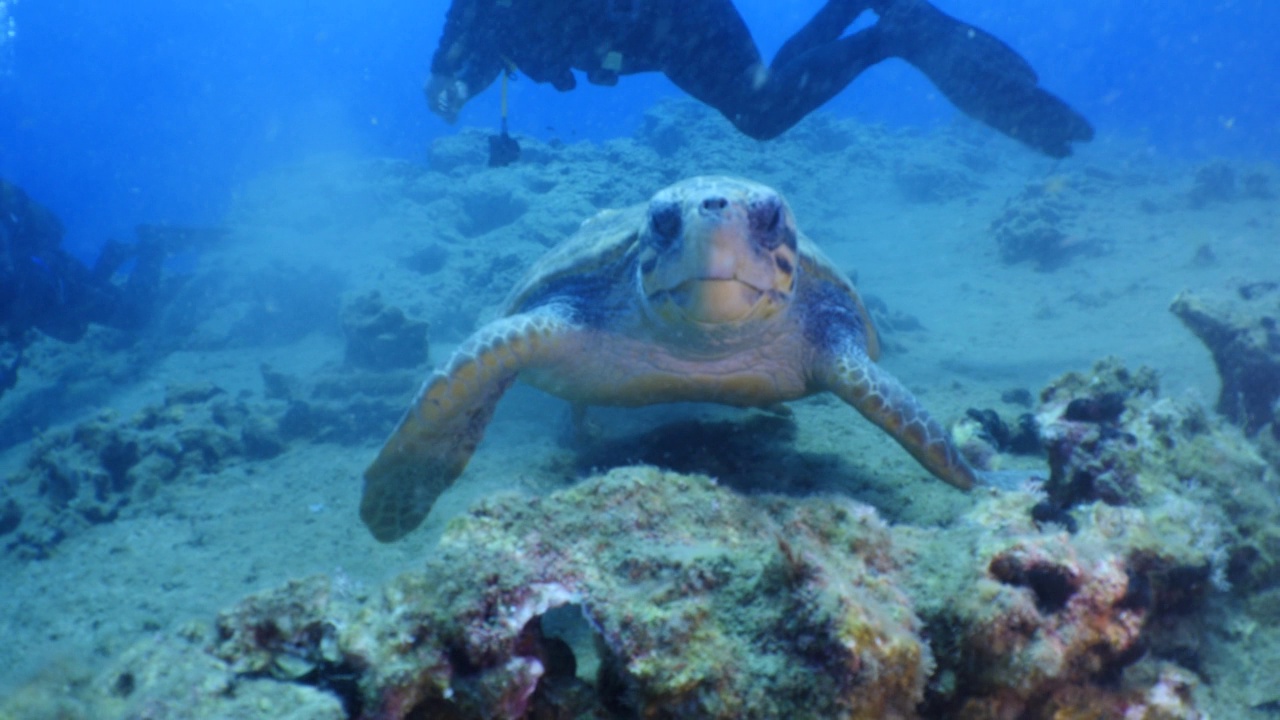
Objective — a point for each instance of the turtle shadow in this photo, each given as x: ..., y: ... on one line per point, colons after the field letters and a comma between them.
x: 754, y: 454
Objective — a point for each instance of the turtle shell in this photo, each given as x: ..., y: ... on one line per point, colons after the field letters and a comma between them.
x: 604, y: 248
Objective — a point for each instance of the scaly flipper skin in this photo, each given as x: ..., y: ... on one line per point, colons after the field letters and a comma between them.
x: 431, y: 446
x: 884, y: 401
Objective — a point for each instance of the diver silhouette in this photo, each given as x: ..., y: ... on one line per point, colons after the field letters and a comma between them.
x: 706, y: 49
x: 44, y: 288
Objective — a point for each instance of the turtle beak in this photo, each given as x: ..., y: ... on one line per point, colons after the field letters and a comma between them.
x: 716, y: 301
x: 719, y: 285
x: 719, y: 272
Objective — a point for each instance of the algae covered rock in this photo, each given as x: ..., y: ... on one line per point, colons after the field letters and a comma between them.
x: 648, y: 593
x: 96, y: 470
x: 1111, y: 438
x: 698, y: 599
x: 1244, y: 338
x: 645, y: 593
x: 638, y: 593
x: 1041, y: 226
x: 382, y: 337
x: 1020, y: 611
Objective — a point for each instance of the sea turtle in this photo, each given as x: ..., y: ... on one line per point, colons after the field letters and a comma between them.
x: 706, y: 293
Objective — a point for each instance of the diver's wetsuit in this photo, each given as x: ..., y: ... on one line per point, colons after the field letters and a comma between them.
x: 41, y: 285
x: 45, y: 288
x: 705, y: 48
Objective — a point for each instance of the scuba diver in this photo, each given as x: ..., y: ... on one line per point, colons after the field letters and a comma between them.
x: 705, y: 48
x: 46, y: 289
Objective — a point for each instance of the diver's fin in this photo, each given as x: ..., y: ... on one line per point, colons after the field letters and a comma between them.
x: 982, y: 76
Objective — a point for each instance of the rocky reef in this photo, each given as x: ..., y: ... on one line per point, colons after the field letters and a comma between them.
x: 91, y: 472
x: 1132, y: 573
x: 382, y: 337
x: 1219, y: 181
x: 645, y: 593
x: 1041, y: 225
x: 112, y: 464
x: 1244, y: 338
x: 1113, y: 440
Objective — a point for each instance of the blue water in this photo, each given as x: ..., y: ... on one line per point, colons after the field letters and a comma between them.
x: 114, y: 114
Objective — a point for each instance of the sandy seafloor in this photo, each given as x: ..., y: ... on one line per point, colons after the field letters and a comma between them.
x: 909, y: 213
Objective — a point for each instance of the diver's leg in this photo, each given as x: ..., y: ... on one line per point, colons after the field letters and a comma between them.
x: 793, y: 90
x: 827, y: 25
x: 708, y: 52
x: 136, y: 298
x: 9, y: 370
x: 981, y: 75
x: 113, y: 255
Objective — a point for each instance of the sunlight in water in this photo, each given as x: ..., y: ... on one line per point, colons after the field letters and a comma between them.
x: 8, y: 31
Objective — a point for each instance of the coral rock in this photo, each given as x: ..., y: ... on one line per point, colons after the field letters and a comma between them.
x: 380, y: 337
x: 1039, y: 226
x: 1245, y: 341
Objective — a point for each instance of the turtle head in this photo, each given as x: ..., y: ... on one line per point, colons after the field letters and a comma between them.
x: 718, y: 251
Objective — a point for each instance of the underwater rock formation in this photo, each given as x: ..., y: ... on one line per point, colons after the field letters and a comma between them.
x: 644, y: 593
x: 91, y: 472
x: 1216, y: 182
x: 1038, y: 621
x: 1112, y: 439
x: 1244, y: 339
x: 1039, y: 226
x: 345, y: 407
x: 982, y: 435
x: 934, y: 183
x: 237, y: 302
x: 381, y: 337
x: 673, y: 577
x: 671, y: 595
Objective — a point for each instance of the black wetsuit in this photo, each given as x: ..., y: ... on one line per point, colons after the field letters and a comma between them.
x: 41, y: 285
x: 46, y: 289
x: 705, y: 48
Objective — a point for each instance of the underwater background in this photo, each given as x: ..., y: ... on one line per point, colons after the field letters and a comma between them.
x: 179, y: 533
x: 157, y: 109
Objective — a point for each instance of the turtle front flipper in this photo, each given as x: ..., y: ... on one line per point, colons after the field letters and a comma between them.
x: 884, y: 401
x: 431, y: 446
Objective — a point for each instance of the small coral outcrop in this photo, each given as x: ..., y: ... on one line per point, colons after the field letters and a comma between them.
x: 92, y: 472
x: 1244, y: 337
x: 1040, y: 226
x: 382, y: 337
x: 696, y: 598
x: 1041, y: 621
x: 1197, y: 479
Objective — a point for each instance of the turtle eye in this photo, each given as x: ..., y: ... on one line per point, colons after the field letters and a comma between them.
x: 768, y: 226
x: 665, y: 219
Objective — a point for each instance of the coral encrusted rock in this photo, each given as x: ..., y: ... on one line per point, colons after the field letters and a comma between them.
x: 640, y: 593
x: 650, y: 594
x: 381, y: 337
x: 699, y: 600
x: 1244, y: 338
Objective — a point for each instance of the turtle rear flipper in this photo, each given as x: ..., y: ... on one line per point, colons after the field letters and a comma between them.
x: 884, y: 401
x: 433, y: 443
